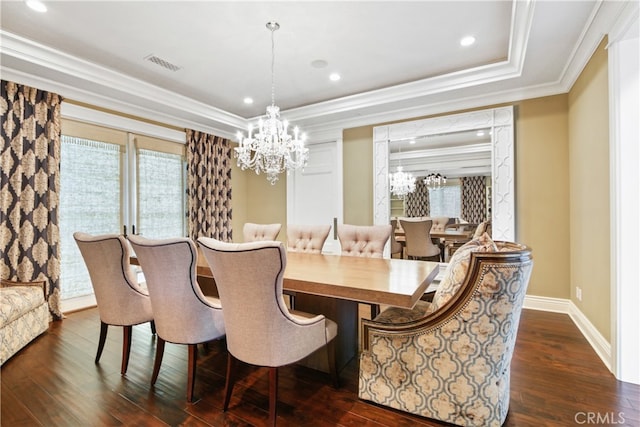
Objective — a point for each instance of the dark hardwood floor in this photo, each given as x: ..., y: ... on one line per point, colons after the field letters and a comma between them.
x: 556, y: 380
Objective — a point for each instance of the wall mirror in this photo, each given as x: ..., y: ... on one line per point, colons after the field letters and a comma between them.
x: 467, y: 144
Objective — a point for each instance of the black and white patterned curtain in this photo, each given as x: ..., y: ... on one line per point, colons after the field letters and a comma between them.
x: 29, y: 187
x: 208, y: 186
x: 473, y: 194
x: 417, y: 202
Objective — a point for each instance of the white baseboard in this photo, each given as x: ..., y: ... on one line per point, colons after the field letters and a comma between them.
x: 558, y: 305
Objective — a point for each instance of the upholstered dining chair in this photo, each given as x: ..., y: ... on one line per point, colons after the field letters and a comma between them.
x: 121, y: 300
x: 182, y: 313
x: 364, y: 241
x: 307, y: 238
x: 260, y: 329
x: 418, y: 241
x: 450, y: 360
x: 396, y: 247
x: 260, y: 232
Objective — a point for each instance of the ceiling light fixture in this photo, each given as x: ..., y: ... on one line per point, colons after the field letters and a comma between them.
x: 401, y: 183
x: 37, y: 5
x: 334, y: 77
x: 435, y: 180
x: 248, y: 100
x: 272, y: 150
x: 467, y: 41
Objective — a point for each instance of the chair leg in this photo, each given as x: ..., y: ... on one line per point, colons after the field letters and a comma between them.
x: 158, y: 360
x: 102, y: 340
x: 333, y: 367
x: 191, y: 375
x: 273, y: 395
x: 231, y: 379
x: 153, y: 327
x: 126, y: 347
x: 375, y: 310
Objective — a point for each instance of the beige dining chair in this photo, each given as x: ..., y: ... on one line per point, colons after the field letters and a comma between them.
x: 418, y: 241
x: 307, y: 238
x: 261, y: 330
x: 183, y: 314
x: 364, y: 241
x: 258, y: 232
x: 121, y: 300
x: 396, y: 247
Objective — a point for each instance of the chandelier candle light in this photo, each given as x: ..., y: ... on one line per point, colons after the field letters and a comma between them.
x: 271, y: 149
x: 435, y: 180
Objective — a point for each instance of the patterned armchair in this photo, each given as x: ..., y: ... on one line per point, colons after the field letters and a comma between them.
x: 450, y: 360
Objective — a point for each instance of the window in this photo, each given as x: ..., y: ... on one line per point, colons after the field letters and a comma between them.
x: 90, y: 201
x: 161, y: 194
x: 445, y: 201
x: 111, y: 179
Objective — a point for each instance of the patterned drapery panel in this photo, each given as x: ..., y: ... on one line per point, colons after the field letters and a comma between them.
x: 29, y: 187
x: 417, y: 202
x: 474, y: 204
x: 208, y: 186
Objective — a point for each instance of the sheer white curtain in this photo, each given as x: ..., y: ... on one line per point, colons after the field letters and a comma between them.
x: 90, y: 201
x: 161, y: 194
x: 445, y: 201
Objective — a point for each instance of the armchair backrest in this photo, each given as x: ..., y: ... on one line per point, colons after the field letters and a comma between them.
x: 307, y: 238
x: 260, y: 328
x: 363, y: 240
x: 459, y: 356
x: 260, y: 232
x: 120, y: 300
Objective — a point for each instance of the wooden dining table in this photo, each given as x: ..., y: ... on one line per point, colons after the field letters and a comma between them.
x: 334, y: 285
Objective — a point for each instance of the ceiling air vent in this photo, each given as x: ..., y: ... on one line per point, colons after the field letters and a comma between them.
x: 161, y: 62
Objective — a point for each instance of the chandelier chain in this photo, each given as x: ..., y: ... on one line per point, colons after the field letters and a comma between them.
x: 273, y: 27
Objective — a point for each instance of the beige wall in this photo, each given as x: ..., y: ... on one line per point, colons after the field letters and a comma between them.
x: 542, y: 191
x: 254, y: 199
x: 357, y: 167
x: 589, y: 195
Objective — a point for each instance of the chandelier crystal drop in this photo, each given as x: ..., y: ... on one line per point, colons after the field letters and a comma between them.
x: 272, y: 149
x: 402, y: 183
x: 435, y: 180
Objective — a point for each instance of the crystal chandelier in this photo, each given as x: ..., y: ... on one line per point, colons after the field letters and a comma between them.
x: 271, y: 149
x: 402, y: 183
x: 435, y: 180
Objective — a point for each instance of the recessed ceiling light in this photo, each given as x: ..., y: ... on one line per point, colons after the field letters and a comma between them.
x: 248, y: 100
x: 480, y: 133
x: 467, y: 41
x: 334, y: 77
x: 413, y: 141
x: 37, y: 5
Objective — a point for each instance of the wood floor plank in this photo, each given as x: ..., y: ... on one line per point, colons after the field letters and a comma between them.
x: 555, y: 377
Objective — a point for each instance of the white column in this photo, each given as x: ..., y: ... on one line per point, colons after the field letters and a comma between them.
x: 624, y: 104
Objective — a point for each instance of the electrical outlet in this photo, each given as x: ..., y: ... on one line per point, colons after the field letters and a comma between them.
x: 579, y: 293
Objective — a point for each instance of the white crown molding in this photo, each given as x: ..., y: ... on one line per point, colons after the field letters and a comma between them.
x: 599, y: 24
x: 132, y: 96
x: 54, y: 60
